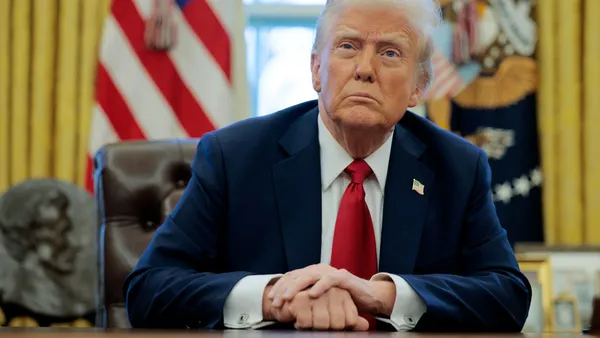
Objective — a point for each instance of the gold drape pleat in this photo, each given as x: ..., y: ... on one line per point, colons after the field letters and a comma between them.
x: 65, y: 122
x: 87, y: 70
x: 19, y: 98
x: 47, y: 82
x: 44, y: 17
x: 591, y: 120
x: 568, y: 110
x: 568, y: 94
x: 546, y: 114
x: 5, y: 75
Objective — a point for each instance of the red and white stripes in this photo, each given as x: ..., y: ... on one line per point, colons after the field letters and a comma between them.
x: 181, y: 92
x: 447, y: 82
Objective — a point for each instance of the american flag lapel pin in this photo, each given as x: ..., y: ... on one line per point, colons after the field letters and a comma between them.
x: 418, y: 187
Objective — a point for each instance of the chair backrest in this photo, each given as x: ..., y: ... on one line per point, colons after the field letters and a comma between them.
x: 137, y: 184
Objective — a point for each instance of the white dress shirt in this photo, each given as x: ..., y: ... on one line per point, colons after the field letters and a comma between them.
x: 243, y: 306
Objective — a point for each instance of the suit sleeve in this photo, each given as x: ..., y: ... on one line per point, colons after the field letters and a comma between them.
x: 177, y: 283
x: 490, y: 294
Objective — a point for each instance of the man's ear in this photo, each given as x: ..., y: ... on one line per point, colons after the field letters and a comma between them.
x: 415, y: 97
x: 421, y: 81
x: 315, y: 67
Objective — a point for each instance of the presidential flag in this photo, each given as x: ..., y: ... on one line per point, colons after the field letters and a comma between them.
x: 165, y: 71
x: 496, y: 110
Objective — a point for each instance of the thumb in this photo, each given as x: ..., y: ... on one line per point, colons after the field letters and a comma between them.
x: 362, y: 325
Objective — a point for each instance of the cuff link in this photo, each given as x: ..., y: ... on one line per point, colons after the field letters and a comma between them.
x: 243, y: 318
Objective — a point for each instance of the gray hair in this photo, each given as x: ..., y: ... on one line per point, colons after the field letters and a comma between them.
x: 423, y: 15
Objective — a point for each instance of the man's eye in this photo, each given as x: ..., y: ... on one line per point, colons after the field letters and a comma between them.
x: 391, y: 53
x: 346, y: 46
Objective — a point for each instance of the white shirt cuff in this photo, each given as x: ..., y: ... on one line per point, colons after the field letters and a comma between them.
x: 243, y: 306
x: 408, y: 307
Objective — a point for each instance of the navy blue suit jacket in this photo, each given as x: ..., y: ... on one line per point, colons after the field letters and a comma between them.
x: 253, y: 206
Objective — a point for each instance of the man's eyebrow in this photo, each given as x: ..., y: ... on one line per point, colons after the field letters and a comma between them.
x: 347, y: 33
x: 395, y: 39
x: 390, y: 38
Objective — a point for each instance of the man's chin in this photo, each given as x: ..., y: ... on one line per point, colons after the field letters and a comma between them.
x: 362, y: 118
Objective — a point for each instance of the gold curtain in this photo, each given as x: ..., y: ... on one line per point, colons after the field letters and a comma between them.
x: 569, y: 119
x: 47, y: 87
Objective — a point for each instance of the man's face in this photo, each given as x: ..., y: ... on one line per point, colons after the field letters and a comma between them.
x: 51, y: 228
x: 366, y: 69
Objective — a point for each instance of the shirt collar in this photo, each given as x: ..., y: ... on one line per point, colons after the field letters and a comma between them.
x: 334, y: 159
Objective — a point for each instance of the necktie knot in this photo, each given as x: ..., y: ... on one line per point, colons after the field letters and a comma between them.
x: 358, y: 171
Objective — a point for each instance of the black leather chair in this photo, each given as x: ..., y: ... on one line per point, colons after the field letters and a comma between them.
x: 137, y: 184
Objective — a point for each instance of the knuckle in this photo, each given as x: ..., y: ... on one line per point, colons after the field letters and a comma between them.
x: 301, y: 324
x: 325, y: 267
x: 306, y: 319
x: 337, y: 326
x: 321, y: 321
x: 301, y: 298
x: 351, y: 321
x: 332, y: 278
x: 340, y: 274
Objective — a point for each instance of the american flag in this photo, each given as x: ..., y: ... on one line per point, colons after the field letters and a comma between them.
x: 447, y: 82
x: 418, y: 187
x: 181, y: 91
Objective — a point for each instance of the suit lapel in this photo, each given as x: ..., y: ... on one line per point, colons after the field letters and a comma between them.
x: 404, y: 210
x: 297, y: 181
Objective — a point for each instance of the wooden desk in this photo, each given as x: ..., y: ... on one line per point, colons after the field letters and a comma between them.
x: 98, y: 333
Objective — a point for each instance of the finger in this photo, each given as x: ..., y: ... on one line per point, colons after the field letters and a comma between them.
x: 320, y: 314
x: 271, y: 294
x: 362, y: 325
x: 304, y: 318
x: 279, y: 288
x: 294, y: 274
x: 278, y: 283
x: 298, y: 285
x: 350, y: 312
x: 285, y: 314
x: 289, y: 290
x: 300, y: 310
x: 337, y: 312
x: 324, y: 284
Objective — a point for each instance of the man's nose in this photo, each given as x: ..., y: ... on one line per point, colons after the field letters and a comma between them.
x: 365, y: 69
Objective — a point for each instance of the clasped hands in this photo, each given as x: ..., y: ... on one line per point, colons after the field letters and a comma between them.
x: 324, y: 298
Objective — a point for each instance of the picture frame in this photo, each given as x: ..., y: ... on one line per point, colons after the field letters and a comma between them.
x: 566, y: 317
x: 575, y: 271
x: 538, y: 272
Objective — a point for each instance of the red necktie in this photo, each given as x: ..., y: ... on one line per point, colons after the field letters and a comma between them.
x: 354, y: 247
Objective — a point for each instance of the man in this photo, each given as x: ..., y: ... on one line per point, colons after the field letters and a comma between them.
x: 336, y: 213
